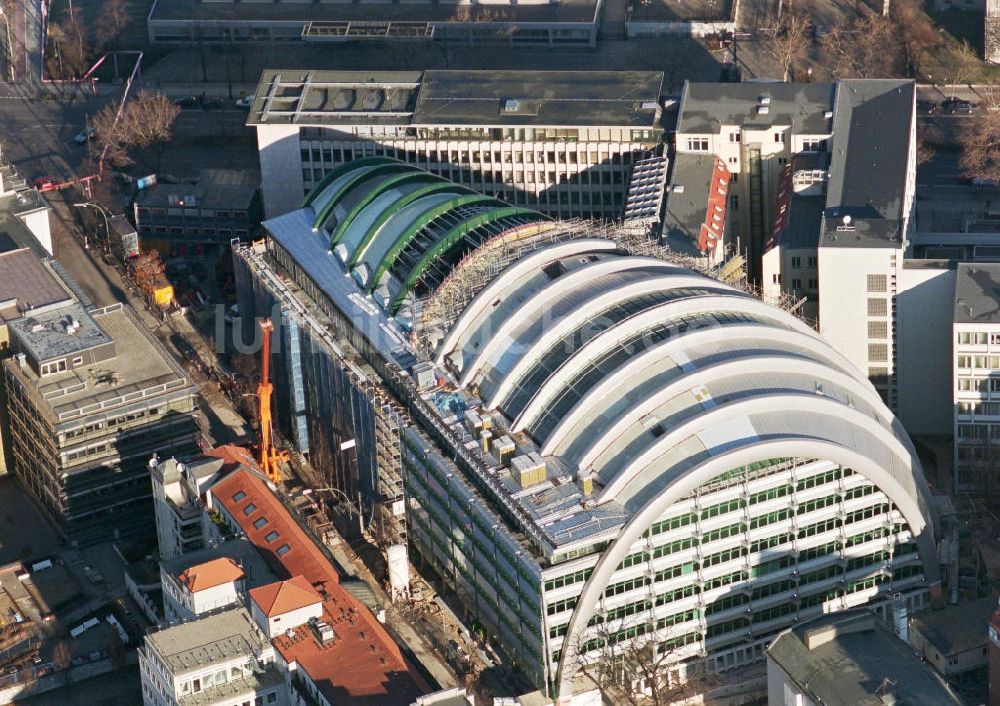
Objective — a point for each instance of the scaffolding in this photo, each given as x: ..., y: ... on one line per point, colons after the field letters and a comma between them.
x: 434, y: 314
x: 386, y: 519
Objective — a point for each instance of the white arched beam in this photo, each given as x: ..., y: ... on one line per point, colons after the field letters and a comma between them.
x: 803, y: 404
x: 594, y: 399
x: 915, y: 511
x: 588, y: 311
x: 494, y: 292
x: 535, y: 305
x: 747, y: 367
x: 608, y: 340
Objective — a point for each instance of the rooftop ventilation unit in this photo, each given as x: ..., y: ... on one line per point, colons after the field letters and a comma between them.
x: 511, y: 105
x: 765, y: 100
x: 763, y: 110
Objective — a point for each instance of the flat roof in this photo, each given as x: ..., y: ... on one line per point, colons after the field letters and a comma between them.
x: 851, y: 659
x: 804, y: 222
x: 363, y: 662
x: 426, y: 11
x: 611, y: 98
x: 977, y: 293
x: 58, y: 333
x: 706, y: 107
x: 956, y: 628
x: 26, y: 284
x: 214, y: 188
x: 209, y: 640
x: 140, y: 370
x: 458, y: 98
x: 14, y: 234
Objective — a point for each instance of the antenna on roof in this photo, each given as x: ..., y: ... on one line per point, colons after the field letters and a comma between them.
x: 847, y: 220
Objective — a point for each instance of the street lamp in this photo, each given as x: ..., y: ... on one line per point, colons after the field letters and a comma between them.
x: 107, y: 227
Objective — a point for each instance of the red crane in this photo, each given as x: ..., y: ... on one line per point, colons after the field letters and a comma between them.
x: 269, y: 456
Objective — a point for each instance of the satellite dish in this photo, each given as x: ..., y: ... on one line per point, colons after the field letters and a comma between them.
x: 847, y: 220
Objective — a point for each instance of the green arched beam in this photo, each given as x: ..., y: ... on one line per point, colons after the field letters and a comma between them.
x: 415, y: 195
x: 414, y: 228
x: 322, y: 215
x: 451, y: 238
x: 386, y: 185
x: 340, y: 171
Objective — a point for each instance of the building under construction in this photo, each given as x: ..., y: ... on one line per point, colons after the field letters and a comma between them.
x: 591, y: 441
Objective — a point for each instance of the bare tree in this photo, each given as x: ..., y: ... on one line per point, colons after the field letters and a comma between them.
x: 61, y: 657
x: 917, y: 31
x: 980, y: 139
x: 116, y: 648
x: 636, y: 668
x: 869, y: 46
x: 787, y: 40
x: 960, y: 66
x: 69, y: 36
x: 112, y: 21
x: 145, y: 121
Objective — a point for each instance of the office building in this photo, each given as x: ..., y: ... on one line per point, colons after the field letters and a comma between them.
x: 200, y: 218
x: 873, y: 666
x: 559, y: 141
x: 90, y: 397
x: 603, y: 444
x: 527, y: 22
x: 219, y: 660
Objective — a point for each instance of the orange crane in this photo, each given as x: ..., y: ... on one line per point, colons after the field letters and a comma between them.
x: 269, y: 456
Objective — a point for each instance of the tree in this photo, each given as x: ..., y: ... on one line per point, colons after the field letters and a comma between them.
x: 112, y: 21
x: 144, y: 121
x: 918, y: 33
x: 787, y: 40
x: 69, y: 37
x: 116, y: 648
x: 868, y: 46
x: 980, y: 139
x: 61, y: 657
x: 637, y: 669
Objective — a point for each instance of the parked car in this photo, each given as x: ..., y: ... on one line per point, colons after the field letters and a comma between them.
x: 187, y: 101
x: 43, y: 182
x: 929, y: 107
x: 245, y: 101
x: 232, y: 314
x: 84, y: 135
x: 956, y: 106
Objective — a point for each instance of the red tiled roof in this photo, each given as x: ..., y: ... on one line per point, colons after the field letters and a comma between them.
x: 210, y: 574
x: 714, y: 226
x: 285, y: 596
x: 362, y: 664
x: 232, y: 456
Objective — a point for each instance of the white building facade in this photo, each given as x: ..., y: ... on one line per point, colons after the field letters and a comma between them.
x: 221, y: 660
x: 523, y: 137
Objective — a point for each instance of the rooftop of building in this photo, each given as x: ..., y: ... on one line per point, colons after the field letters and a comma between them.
x: 708, y: 107
x: 210, y: 574
x: 362, y: 661
x: 141, y: 370
x: 420, y: 12
x: 212, y: 639
x: 213, y: 189
x: 804, y: 223
x: 868, y: 164
x: 459, y: 98
x: 851, y: 659
x: 958, y: 628
x: 686, y: 209
x: 27, y: 284
x: 14, y: 234
x: 58, y: 333
x: 285, y: 596
x: 239, y: 551
x: 977, y: 293
x: 246, y: 686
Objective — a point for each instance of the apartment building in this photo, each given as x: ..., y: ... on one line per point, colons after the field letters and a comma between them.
x: 202, y: 588
x: 220, y: 660
x: 199, y: 218
x: 680, y: 470
x: 90, y: 397
x: 559, y: 141
x: 772, y: 170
